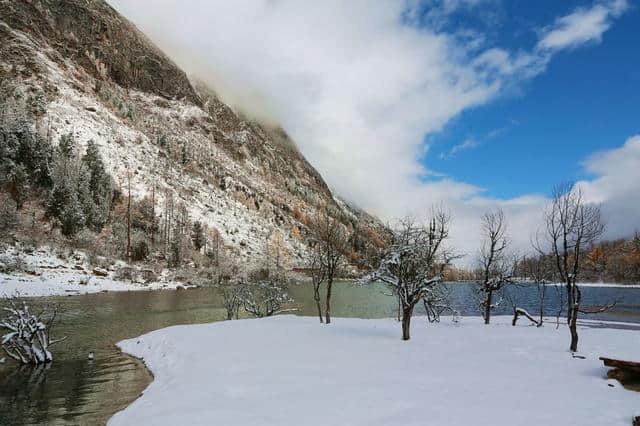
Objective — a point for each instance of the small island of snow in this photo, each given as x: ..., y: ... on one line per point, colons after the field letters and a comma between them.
x: 290, y: 370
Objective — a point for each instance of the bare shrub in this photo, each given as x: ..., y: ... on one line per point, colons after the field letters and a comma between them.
x: 265, y: 298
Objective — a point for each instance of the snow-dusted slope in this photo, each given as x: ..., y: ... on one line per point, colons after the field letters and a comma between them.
x: 104, y: 81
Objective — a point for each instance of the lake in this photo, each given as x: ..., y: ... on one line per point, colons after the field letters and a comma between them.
x: 78, y: 391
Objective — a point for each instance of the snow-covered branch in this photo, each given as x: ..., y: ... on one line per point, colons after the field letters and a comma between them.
x: 28, y: 335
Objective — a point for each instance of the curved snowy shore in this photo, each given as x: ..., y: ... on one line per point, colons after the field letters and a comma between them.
x: 292, y: 370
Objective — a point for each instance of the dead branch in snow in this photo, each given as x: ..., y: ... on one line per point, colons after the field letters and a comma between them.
x: 28, y: 338
x: 518, y: 312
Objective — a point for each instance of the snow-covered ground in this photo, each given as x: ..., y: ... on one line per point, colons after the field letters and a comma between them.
x: 615, y: 285
x: 292, y: 370
x: 66, y: 284
x: 45, y: 274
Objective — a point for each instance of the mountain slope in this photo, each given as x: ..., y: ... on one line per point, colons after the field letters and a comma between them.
x: 101, y: 79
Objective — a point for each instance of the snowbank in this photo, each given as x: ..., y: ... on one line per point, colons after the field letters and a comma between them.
x: 292, y: 370
x: 65, y: 284
x: 616, y: 285
x: 47, y: 275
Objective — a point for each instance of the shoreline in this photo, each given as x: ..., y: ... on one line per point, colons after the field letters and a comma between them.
x: 30, y: 286
x: 584, y: 284
x: 44, y: 273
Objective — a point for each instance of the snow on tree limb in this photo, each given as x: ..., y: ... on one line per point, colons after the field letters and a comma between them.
x: 28, y: 339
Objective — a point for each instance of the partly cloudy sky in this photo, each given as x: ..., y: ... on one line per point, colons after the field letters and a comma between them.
x: 402, y: 104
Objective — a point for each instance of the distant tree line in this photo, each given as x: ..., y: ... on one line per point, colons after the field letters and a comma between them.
x: 616, y: 261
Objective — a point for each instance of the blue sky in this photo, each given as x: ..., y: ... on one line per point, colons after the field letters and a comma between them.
x: 538, y: 133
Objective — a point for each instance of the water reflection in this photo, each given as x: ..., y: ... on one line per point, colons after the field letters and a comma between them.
x: 78, y: 391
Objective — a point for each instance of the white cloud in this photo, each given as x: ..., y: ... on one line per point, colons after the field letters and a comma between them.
x: 616, y: 186
x: 582, y: 26
x: 467, y: 145
x: 356, y: 87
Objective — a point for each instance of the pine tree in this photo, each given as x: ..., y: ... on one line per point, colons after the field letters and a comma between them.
x: 18, y: 185
x: 66, y: 145
x: 175, y: 252
x: 68, y: 200
x: 185, y: 157
x: 197, y: 235
x: 72, y: 218
x: 100, y: 187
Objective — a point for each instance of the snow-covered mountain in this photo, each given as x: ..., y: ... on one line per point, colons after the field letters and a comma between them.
x: 101, y: 79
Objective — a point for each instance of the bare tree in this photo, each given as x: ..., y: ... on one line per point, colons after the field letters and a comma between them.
x: 571, y: 225
x: 29, y: 335
x: 437, y: 303
x: 277, y: 249
x: 318, y: 276
x: 493, y: 261
x: 539, y: 270
x: 231, y: 297
x: 329, y: 240
x: 128, y: 214
x: 413, y: 264
x: 266, y: 298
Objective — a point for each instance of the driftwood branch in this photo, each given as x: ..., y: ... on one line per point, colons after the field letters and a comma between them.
x: 518, y: 312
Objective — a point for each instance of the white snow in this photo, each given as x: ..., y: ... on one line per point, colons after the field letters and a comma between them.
x: 22, y: 285
x: 49, y: 275
x: 613, y: 285
x: 291, y: 370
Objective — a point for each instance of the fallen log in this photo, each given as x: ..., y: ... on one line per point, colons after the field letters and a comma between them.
x: 621, y: 364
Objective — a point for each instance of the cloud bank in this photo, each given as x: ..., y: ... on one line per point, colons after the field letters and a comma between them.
x: 358, y: 85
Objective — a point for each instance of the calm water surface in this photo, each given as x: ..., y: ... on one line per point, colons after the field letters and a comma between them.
x: 74, y: 390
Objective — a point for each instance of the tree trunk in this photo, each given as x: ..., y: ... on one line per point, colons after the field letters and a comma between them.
x: 487, y: 308
x: 407, y: 312
x: 316, y: 296
x: 328, y: 311
x: 569, y: 302
x: 129, y: 219
x: 573, y: 329
x: 153, y: 215
x: 573, y: 321
x: 543, y: 290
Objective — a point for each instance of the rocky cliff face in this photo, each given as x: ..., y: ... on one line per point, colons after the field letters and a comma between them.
x: 92, y: 35
x: 101, y: 79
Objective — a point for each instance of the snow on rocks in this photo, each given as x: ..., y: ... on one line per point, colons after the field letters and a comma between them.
x: 291, y: 370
